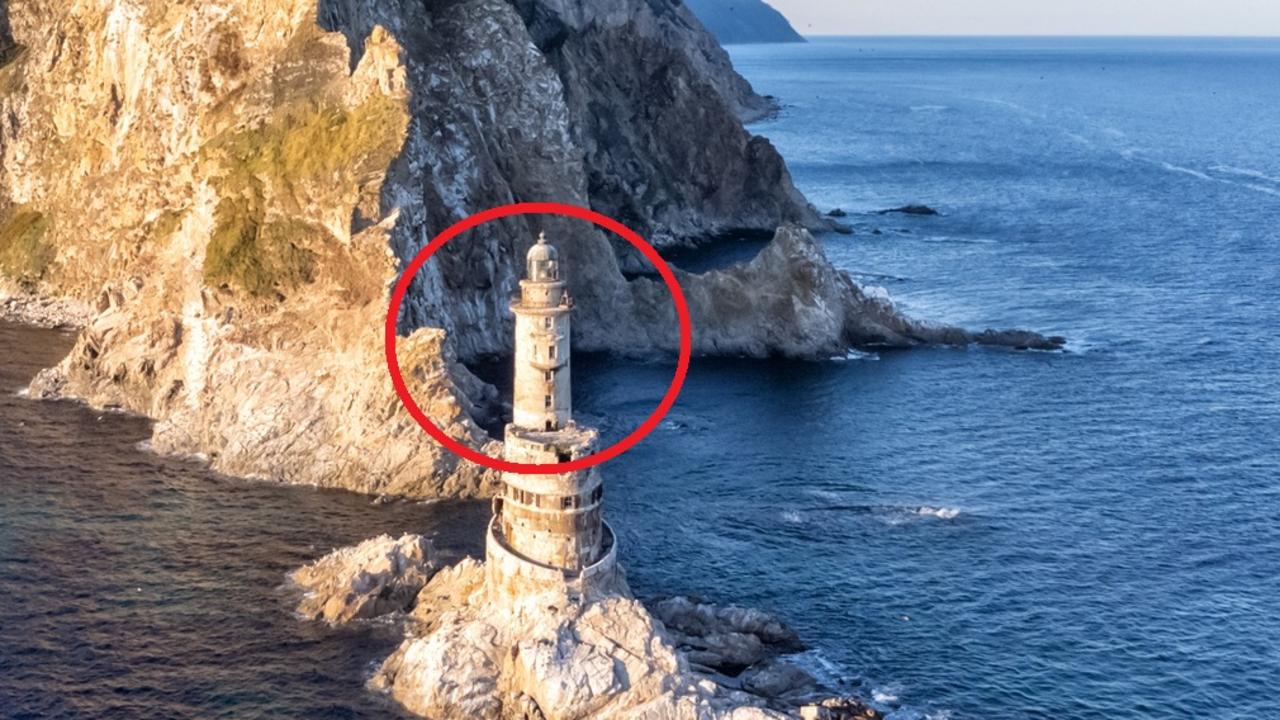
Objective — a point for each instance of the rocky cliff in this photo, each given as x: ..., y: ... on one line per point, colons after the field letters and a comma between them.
x: 231, y: 186
x: 744, y: 21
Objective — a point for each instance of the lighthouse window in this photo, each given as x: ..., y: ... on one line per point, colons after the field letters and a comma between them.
x: 567, y: 502
x: 547, y: 322
x: 547, y: 401
x: 549, y: 375
x: 551, y: 352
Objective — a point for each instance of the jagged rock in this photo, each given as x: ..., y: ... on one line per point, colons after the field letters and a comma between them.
x: 606, y: 658
x: 452, y: 588
x: 470, y: 653
x: 837, y: 213
x: 839, y: 709
x: 810, y: 309
x: 453, y: 672
x: 776, y: 679
x: 376, y: 577
x: 725, y: 639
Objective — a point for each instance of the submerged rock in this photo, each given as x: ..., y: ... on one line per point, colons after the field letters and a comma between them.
x: 910, y: 210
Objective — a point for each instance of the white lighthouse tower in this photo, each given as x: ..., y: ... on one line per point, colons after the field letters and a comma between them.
x: 547, y: 532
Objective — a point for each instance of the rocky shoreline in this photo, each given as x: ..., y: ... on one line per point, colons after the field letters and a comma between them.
x: 20, y: 306
x: 558, y: 657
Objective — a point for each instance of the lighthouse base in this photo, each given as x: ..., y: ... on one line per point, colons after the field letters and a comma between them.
x: 513, y: 579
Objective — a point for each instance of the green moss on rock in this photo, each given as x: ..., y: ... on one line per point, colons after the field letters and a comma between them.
x: 261, y: 258
x: 12, y: 60
x: 164, y: 226
x: 317, y: 144
x: 24, y: 256
x: 313, y: 143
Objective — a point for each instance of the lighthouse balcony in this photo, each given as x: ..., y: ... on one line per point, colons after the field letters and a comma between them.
x: 527, y: 306
x: 515, y: 575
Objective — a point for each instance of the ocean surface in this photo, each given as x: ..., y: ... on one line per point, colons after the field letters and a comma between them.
x: 958, y: 533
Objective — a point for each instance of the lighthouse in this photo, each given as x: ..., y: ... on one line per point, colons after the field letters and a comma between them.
x: 547, y: 531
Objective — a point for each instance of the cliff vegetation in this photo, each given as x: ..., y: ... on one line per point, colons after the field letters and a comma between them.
x: 24, y: 256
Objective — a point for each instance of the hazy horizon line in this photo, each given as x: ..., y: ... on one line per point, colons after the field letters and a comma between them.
x: 1043, y: 35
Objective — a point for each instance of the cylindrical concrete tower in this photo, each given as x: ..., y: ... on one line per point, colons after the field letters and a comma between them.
x: 542, y: 343
x: 546, y: 526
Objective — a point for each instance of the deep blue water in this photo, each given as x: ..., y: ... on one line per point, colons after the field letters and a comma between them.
x: 990, y: 534
x: 960, y: 533
x: 134, y: 586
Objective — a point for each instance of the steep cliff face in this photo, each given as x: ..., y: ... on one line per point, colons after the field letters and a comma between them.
x: 211, y: 180
x: 232, y: 185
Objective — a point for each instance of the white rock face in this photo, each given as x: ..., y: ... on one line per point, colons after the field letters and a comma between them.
x: 376, y: 577
x: 470, y: 652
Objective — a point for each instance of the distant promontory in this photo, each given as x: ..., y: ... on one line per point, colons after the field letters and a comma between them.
x: 744, y: 21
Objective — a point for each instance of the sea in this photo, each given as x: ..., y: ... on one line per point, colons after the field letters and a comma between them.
x: 956, y: 533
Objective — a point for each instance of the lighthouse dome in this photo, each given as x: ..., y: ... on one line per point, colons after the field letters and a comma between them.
x: 542, y: 261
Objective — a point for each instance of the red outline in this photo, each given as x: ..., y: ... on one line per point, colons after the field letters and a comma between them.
x: 539, y: 208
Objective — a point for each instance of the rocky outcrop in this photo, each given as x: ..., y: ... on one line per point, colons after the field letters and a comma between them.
x: 470, y: 654
x: 379, y: 576
x: 744, y: 21
x: 790, y: 301
x: 725, y: 639
x: 909, y: 210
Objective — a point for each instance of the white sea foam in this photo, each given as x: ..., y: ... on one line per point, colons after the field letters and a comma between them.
x: 1263, y: 189
x: 1224, y: 169
x: 829, y: 495
x: 820, y: 667
x: 1188, y: 171
x: 929, y: 108
x: 887, y: 694
x: 792, y: 516
x: 852, y: 354
x: 876, y: 291
x: 1245, y: 172
x: 943, y: 513
x: 1079, y: 139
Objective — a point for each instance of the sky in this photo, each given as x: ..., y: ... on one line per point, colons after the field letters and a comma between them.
x: 1032, y: 17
